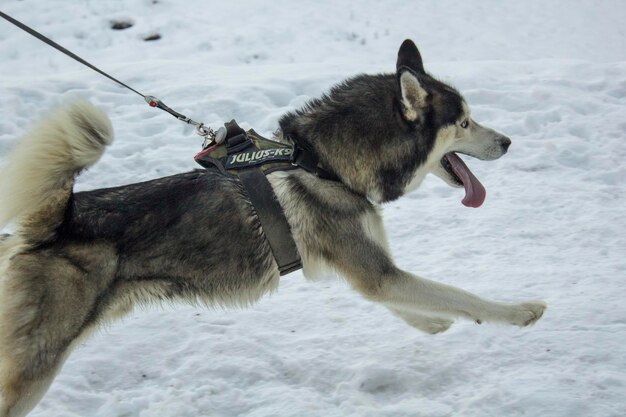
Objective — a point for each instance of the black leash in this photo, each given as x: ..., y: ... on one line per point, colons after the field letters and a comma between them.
x: 152, y: 101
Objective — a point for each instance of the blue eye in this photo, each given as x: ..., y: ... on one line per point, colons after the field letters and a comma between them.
x: 465, y: 124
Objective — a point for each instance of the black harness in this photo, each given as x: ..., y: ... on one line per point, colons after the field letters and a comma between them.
x: 250, y: 157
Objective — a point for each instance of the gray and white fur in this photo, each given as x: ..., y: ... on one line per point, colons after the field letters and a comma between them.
x: 77, y: 260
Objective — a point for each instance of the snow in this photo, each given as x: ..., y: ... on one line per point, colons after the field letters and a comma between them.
x: 551, y: 75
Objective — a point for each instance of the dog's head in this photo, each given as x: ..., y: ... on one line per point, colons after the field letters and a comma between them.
x: 430, y: 105
x: 381, y: 134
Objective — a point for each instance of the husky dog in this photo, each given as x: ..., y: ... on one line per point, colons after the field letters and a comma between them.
x: 77, y: 260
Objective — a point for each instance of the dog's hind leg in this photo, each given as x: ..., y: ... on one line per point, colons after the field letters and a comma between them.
x: 18, y: 401
x: 50, y: 299
x: 46, y: 299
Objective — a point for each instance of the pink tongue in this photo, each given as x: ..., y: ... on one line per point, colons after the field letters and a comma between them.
x: 474, y: 191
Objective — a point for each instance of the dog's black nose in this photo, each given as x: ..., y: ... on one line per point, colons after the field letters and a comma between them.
x: 504, y: 142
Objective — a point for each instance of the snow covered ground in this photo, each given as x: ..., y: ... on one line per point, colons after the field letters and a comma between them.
x: 551, y: 75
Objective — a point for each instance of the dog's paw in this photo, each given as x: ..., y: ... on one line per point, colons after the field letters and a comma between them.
x: 437, y: 325
x: 427, y: 324
x: 430, y: 325
x: 526, y: 314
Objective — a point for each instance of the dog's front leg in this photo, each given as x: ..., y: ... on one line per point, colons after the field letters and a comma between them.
x: 334, y: 227
x: 367, y: 266
x: 404, y: 291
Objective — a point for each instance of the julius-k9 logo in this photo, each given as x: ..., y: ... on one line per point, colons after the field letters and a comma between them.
x: 257, y: 157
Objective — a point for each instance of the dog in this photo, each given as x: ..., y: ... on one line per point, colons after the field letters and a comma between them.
x: 77, y: 260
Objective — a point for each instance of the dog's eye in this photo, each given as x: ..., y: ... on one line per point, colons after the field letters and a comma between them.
x: 465, y: 124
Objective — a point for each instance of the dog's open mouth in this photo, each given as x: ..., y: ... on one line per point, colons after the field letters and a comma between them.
x: 474, y: 191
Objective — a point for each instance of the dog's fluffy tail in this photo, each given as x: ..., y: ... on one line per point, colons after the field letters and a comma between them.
x: 37, y: 177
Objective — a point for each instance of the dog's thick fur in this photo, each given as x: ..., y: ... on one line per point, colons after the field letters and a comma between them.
x: 79, y: 259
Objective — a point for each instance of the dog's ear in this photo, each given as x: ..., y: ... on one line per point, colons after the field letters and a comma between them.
x: 408, y: 69
x: 409, y: 57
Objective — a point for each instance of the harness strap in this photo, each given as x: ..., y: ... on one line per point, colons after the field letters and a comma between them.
x: 272, y: 218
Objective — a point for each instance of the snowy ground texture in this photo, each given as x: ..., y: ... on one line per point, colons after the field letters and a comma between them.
x: 551, y: 75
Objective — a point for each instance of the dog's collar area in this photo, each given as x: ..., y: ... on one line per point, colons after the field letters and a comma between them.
x: 307, y: 159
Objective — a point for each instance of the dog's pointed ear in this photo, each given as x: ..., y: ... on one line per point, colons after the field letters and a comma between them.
x: 408, y: 69
x: 409, y: 57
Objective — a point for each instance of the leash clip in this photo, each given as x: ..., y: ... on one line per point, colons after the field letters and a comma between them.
x: 201, y: 128
x: 211, y: 137
x: 206, y: 131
